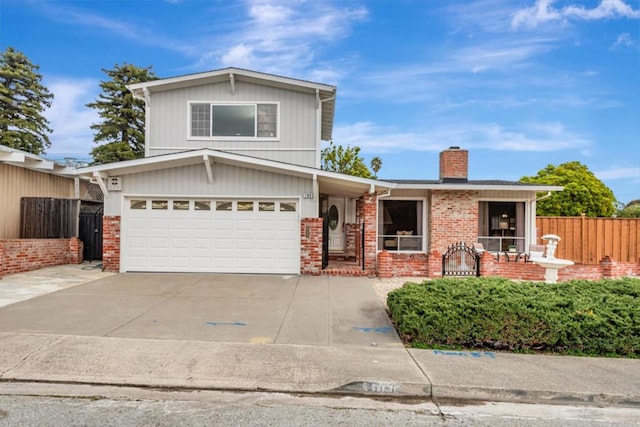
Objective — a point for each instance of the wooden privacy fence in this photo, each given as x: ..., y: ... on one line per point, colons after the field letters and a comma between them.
x: 48, y: 218
x: 587, y: 240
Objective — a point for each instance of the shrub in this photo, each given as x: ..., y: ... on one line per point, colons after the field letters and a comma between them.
x: 596, y: 318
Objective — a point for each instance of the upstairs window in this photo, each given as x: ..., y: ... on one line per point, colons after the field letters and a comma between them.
x: 233, y: 120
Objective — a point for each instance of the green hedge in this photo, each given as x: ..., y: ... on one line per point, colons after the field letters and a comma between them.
x: 597, y: 318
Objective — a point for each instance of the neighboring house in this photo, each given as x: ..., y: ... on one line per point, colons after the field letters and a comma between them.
x: 231, y: 182
x: 24, y: 174
x: 33, y: 178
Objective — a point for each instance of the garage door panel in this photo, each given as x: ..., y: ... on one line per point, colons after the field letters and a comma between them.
x: 211, y: 241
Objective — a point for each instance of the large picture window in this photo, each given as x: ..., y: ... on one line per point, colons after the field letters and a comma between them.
x: 233, y: 120
x: 501, y: 226
x: 400, y: 225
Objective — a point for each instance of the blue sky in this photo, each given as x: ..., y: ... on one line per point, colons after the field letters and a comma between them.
x: 519, y: 83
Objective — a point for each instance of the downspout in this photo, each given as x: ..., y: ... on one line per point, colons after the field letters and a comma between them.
x: 319, y: 102
x: 146, y: 97
x: 533, y: 229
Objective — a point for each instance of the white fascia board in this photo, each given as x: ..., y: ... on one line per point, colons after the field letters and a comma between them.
x: 196, y: 156
x: 223, y: 74
x: 9, y: 156
x: 478, y: 187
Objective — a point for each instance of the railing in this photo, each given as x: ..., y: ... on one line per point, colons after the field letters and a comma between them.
x: 394, y: 242
x: 502, y: 244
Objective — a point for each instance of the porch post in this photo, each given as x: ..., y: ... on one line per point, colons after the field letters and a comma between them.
x: 370, y: 218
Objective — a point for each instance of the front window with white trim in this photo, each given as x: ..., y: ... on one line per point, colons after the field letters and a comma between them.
x: 501, y: 226
x: 250, y: 120
x: 400, y: 225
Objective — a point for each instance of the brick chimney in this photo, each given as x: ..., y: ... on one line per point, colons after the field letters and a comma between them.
x: 454, y: 165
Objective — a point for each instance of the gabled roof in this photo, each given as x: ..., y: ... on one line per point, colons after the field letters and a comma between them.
x: 23, y: 159
x: 325, y: 93
x: 333, y: 182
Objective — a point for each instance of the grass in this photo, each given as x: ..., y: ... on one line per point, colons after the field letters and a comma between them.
x: 593, y: 318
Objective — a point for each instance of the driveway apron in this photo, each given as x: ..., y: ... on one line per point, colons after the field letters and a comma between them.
x: 259, y: 309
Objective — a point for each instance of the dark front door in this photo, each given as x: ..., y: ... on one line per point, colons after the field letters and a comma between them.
x: 90, y: 232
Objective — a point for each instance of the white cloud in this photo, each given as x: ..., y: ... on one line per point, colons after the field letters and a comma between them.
x: 625, y: 40
x: 68, y: 116
x: 619, y: 173
x: 283, y: 37
x: 543, y: 11
x: 531, y: 137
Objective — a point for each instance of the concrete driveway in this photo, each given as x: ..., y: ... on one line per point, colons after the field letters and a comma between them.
x: 261, y: 309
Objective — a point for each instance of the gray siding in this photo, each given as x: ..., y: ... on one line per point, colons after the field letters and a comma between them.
x: 228, y: 181
x: 169, y: 113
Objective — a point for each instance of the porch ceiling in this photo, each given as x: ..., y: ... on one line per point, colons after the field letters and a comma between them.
x: 344, y: 188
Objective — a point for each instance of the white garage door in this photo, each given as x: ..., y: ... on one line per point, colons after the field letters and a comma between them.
x: 223, y: 236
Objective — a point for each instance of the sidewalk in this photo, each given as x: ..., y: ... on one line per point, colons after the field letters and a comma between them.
x: 359, y: 367
x: 397, y: 372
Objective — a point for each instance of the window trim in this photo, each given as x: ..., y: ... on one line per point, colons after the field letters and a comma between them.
x: 254, y: 104
x: 530, y: 231
x: 425, y: 234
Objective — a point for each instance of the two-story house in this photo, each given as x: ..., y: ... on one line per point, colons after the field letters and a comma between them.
x: 231, y: 182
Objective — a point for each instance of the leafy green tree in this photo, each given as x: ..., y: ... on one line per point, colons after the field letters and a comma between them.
x: 631, y: 210
x: 23, y: 99
x: 583, y: 192
x: 376, y: 165
x: 336, y: 158
x: 121, y: 131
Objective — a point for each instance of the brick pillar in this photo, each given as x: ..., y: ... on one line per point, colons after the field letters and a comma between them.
x: 385, y: 264
x: 111, y: 244
x: 370, y: 217
x: 311, y: 246
x: 435, y: 264
x: 75, y: 250
x: 608, y: 267
x: 1, y: 260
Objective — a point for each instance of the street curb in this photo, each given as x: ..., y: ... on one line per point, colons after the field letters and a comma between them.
x: 448, y: 393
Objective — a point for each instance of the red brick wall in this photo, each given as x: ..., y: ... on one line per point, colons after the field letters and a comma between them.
x: 607, y: 268
x: 19, y: 255
x: 111, y: 243
x: 454, y: 163
x: 311, y: 246
x: 398, y: 264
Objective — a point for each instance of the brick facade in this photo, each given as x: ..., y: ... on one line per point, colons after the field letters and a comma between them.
x: 454, y: 218
x: 111, y: 244
x: 20, y: 255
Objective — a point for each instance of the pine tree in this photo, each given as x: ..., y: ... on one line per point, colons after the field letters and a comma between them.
x: 121, y: 131
x: 23, y: 99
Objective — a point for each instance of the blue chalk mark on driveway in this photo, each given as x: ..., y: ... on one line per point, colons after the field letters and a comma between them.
x: 225, y: 323
x: 378, y: 330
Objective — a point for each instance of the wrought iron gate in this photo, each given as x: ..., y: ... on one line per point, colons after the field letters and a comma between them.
x: 461, y: 260
x: 325, y: 241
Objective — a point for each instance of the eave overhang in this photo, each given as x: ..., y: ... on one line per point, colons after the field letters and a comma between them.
x: 23, y: 159
x: 478, y: 187
x: 330, y: 182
